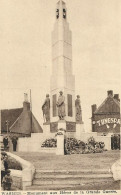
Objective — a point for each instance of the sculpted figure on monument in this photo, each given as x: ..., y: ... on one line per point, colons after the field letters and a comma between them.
x: 46, y: 109
x: 78, y: 109
x: 61, y: 106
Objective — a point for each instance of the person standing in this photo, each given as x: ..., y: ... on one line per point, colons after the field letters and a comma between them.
x: 2, y: 168
x: 4, y: 165
x: 14, y: 142
x: 5, y: 142
x: 7, y: 181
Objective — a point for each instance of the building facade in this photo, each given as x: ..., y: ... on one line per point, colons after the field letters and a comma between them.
x: 19, y: 121
x: 106, y: 118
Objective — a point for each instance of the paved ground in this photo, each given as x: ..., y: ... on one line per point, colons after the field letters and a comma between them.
x: 75, y: 162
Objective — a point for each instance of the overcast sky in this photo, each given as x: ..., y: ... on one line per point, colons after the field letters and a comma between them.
x: 25, y: 51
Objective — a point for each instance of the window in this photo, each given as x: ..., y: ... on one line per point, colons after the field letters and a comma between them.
x: 64, y: 13
x: 57, y: 13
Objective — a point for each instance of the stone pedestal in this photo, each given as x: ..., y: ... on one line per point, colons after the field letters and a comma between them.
x: 46, y: 128
x: 79, y: 130
x: 62, y: 124
x: 60, y: 139
x: 60, y: 145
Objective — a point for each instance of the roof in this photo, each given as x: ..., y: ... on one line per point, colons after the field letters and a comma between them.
x: 60, y: 1
x: 20, y: 121
x: 110, y: 105
x: 11, y: 115
x: 26, y: 123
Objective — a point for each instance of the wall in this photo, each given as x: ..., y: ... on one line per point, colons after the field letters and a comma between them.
x: 17, y: 179
x: 28, y: 170
x: 33, y: 143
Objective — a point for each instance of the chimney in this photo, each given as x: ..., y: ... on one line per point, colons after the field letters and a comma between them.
x: 25, y: 97
x: 26, y: 104
x: 110, y: 92
x: 116, y: 97
x: 94, y: 108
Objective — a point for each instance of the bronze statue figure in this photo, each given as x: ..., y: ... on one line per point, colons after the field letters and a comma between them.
x: 78, y: 109
x: 61, y: 106
x: 46, y: 109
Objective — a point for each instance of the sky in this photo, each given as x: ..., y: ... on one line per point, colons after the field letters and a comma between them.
x: 26, y: 52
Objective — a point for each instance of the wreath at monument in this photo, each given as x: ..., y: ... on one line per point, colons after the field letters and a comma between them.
x: 74, y: 146
x: 49, y: 143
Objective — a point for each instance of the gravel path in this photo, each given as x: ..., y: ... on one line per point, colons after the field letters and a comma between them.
x: 75, y: 162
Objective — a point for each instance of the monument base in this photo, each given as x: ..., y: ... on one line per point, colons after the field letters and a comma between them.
x: 60, y: 141
x: 62, y: 124
x: 46, y: 128
x: 79, y: 130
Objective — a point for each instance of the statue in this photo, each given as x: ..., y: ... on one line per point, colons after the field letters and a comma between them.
x: 61, y: 106
x: 78, y: 109
x: 46, y: 109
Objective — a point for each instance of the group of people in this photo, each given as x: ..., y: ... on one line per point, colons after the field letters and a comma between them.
x: 6, y: 141
x: 6, y: 179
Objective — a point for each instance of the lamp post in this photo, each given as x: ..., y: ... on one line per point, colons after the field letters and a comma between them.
x: 5, y: 140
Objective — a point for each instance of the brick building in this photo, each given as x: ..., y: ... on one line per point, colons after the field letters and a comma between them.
x: 106, y: 118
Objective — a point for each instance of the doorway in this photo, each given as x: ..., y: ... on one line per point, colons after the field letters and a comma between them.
x: 115, y: 142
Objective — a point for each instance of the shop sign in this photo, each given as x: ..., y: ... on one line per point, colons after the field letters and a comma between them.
x: 107, y: 121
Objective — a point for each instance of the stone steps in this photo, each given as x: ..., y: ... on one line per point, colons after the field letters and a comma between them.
x: 72, y: 181
x: 89, y: 171
x: 63, y: 174
x: 86, y: 186
x: 69, y: 180
x: 53, y: 187
x: 74, y: 172
x: 72, y: 176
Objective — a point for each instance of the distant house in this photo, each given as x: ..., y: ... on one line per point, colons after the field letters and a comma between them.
x: 106, y: 118
x: 21, y: 121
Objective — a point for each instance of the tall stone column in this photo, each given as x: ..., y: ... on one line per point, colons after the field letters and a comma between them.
x: 62, y: 78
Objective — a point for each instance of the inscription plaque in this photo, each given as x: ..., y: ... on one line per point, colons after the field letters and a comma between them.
x: 53, y: 127
x: 70, y: 126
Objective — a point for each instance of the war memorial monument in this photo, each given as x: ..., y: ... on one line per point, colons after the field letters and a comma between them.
x: 61, y: 109
x: 63, y: 122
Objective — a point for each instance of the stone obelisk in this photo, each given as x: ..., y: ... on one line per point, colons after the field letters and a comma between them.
x: 62, y: 78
